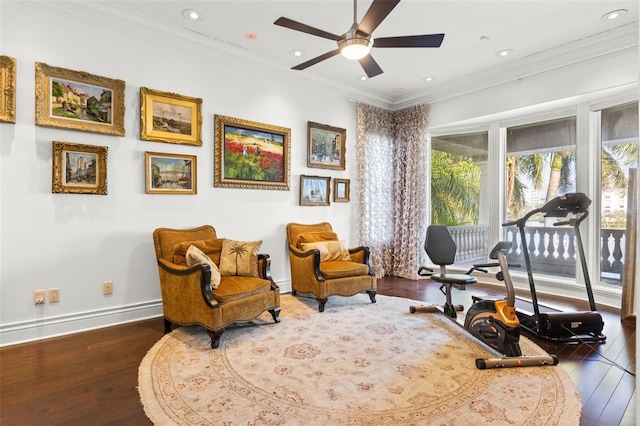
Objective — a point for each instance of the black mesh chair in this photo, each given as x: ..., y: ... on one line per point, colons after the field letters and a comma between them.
x: 441, y: 249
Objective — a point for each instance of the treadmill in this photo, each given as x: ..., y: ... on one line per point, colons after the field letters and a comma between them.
x: 545, y: 321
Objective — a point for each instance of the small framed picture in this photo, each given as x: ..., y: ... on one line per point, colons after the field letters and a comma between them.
x: 326, y: 146
x: 79, y: 169
x: 341, y: 190
x: 79, y: 100
x: 7, y: 89
x: 169, y: 117
x: 314, y: 190
x: 170, y: 173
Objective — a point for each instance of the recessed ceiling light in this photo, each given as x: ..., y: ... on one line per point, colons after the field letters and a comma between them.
x: 504, y: 52
x: 615, y: 14
x: 250, y: 36
x: 484, y: 38
x: 428, y: 79
x: 295, y: 52
x: 363, y: 77
x: 191, y: 14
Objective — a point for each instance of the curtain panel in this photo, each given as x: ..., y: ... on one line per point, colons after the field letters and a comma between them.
x: 392, y: 171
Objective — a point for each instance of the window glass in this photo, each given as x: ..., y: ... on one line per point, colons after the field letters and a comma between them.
x: 619, y: 157
x: 459, y: 191
x: 540, y: 166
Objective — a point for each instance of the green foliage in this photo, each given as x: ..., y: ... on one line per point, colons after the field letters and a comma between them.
x: 455, y: 189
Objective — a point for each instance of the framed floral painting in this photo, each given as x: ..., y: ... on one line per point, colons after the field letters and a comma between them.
x: 251, y: 155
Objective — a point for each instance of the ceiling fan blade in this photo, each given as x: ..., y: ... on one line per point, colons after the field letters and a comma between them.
x: 297, y: 26
x: 378, y: 10
x: 316, y: 60
x: 427, y: 40
x: 370, y: 66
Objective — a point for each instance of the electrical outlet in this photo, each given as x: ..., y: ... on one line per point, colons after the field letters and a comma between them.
x: 38, y: 297
x: 54, y: 295
x: 107, y: 287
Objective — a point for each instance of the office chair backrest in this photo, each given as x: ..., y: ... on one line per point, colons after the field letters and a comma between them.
x: 439, y: 245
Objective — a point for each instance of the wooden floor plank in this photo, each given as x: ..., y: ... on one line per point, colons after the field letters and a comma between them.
x: 90, y: 378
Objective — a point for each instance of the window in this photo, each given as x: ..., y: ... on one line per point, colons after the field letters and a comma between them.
x: 459, y: 191
x: 541, y: 165
x: 619, y: 165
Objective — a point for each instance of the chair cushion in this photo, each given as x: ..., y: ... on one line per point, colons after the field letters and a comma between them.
x: 313, y: 237
x: 211, y: 248
x: 239, y: 258
x: 342, y: 268
x: 234, y: 288
x: 329, y: 250
x: 195, y: 256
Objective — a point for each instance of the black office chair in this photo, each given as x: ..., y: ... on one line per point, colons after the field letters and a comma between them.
x: 441, y: 249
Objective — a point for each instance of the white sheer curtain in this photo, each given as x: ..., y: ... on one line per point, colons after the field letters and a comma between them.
x: 392, y: 171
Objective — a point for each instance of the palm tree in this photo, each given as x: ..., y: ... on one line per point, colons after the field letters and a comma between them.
x: 455, y: 189
x: 239, y: 249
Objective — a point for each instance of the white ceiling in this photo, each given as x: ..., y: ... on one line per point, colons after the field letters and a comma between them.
x: 540, y: 33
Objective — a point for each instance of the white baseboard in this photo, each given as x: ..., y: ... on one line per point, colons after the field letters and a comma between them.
x: 45, y: 328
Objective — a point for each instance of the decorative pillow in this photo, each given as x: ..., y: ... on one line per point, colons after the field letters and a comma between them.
x: 314, y: 237
x: 195, y: 256
x: 211, y: 248
x: 239, y: 258
x: 329, y: 250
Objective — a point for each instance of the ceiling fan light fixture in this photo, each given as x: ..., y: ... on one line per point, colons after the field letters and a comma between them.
x: 355, y: 48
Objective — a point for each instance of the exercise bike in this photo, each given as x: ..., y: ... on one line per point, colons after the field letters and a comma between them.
x: 494, y: 323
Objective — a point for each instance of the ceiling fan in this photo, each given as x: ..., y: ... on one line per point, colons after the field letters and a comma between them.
x: 356, y: 43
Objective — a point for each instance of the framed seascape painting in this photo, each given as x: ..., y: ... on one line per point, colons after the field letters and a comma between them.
x: 7, y: 89
x: 170, y: 173
x: 79, y: 169
x: 78, y: 100
x: 314, y: 190
x: 341, y: 190
x: 326, y: 146
x: 169, y: 117
x: 251, y: 155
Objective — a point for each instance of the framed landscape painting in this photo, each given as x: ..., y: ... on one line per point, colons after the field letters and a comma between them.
x: 79, y: 169
x: 251, y: 155
x: 7, y: 89
x: 170, y: 173
x: 326, y: 146
x: 79, y: 100
x: 314, y: 190
x: 169, y: 117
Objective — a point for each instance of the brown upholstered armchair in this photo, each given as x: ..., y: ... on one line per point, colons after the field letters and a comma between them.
x: 187, y: 294
x: 324, y: 266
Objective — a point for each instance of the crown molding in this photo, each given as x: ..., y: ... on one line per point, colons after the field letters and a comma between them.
x: 602, y: 44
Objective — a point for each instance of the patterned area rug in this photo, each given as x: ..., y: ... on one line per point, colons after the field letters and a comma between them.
x: 355, y: 364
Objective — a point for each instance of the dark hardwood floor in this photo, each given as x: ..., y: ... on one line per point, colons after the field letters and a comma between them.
x: 90, y: 378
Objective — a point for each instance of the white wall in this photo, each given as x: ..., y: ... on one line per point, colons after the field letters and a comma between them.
x: 75, y: 242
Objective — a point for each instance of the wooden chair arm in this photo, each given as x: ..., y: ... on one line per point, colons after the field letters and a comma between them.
x: 200, y: 274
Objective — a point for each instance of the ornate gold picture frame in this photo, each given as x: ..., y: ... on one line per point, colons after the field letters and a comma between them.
x: 78, y: 100
x: 251, y: 155
x: 341, y: 190
x: 314, y: 190
x: 170, y: 173
x: 7, y: 89
x: 326, y: 146
x: 169, y: 117
x: 79, y: 169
